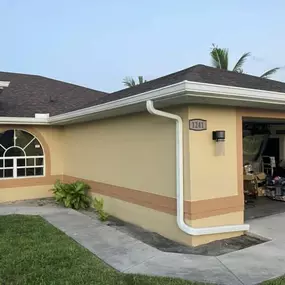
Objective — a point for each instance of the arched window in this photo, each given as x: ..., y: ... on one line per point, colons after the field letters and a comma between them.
x: 21, y: 155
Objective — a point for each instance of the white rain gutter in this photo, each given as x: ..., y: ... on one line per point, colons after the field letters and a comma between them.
x: 204, y: 91
x: 179, y: 182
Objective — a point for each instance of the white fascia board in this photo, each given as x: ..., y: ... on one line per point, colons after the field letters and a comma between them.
x: 234, y: 93
x: 4, y: 84
x: 160, y: 93
x: 23, y: 121
x: 220, y: 93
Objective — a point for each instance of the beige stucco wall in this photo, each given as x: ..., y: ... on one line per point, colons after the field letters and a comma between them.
x: 23, y: 193
x: 54, y: 138
x: 213, y: 176
x: 165, y: 224
x: 135, y: 151
x: 138, y: 152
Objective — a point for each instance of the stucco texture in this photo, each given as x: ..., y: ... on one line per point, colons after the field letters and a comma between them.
x: 213, y: 176
x: 165, y: 224
x: 136, y: 152
x: 130, y: 161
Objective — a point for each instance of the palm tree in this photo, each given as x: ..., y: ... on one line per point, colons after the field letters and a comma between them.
x: 220, y: 59
x: 130, y: 82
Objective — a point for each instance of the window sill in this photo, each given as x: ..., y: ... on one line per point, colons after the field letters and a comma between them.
x: 20, y: 178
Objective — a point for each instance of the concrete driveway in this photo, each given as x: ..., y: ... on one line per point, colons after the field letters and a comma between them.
x: 264, y: 261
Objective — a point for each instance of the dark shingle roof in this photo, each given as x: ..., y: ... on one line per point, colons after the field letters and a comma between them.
x: 198, y: 73
x: 30, y: 94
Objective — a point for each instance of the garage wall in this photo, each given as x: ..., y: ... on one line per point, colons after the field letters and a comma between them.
x: 135, y: 152
x: 213, y: 176
x: 165, y: 223
x: 130, y: 161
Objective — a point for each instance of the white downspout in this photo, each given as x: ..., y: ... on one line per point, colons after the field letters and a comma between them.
x: 180, y: 185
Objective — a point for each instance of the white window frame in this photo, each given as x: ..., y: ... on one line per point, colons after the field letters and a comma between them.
x: 26, y: 157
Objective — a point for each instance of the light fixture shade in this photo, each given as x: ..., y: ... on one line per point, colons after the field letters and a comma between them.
x: 219, y: 135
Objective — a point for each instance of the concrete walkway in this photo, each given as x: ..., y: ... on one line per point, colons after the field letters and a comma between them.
x: 126, y: 254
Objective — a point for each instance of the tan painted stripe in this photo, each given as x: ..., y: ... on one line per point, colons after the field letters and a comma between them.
x: 193, y: 210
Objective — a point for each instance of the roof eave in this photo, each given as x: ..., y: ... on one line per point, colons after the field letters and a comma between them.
x: 185, y: 92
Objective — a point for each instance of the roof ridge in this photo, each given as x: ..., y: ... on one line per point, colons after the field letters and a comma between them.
x: 239, y: 73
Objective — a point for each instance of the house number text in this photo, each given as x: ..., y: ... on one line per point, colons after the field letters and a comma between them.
x: 197, y: 125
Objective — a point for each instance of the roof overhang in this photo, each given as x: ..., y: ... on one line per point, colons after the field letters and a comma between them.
x: 185, y: 92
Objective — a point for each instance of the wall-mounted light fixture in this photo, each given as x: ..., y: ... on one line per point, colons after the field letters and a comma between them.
x: 219, y: 137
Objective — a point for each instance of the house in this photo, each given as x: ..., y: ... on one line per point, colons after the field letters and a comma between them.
x: 166, y: 155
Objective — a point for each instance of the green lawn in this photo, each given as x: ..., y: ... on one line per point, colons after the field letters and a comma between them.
x: 33, y: 252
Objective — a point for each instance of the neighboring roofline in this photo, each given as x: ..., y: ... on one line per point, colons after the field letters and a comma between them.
x: 202, y: 93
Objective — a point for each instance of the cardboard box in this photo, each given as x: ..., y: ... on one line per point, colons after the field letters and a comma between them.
x: 261, y: 191
x: 261, y: 176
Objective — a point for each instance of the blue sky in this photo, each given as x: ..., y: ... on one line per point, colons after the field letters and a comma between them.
x: 97, y: 43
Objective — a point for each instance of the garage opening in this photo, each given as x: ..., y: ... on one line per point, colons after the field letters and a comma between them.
x: 263, y: 167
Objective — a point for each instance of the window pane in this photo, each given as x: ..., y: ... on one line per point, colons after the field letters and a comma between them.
x: 30, y: 171
x: 23, y: 138
x: 39, y: 171
x: 21, y: 172
x: 39, y: 161
x: 1, y: 162
x: 14, y: 151
x: 30, y: 161
x: 34, y: 148
x: 8, y: 162
x: 1, y: 173
x: 7, y: 138
x: 8, y: 172
x: 1, y: 151
x: 21, y: 162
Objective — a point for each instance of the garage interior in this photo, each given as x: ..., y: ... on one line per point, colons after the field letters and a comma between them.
x: 263, y: 167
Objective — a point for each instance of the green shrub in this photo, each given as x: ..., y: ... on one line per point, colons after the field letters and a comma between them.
x: 98, y: 204
x: 74, y: 195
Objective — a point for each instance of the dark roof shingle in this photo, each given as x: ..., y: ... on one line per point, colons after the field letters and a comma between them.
x: 30, y: 94
x: 199, y: 73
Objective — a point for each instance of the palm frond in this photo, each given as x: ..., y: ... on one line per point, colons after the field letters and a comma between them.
x: 270, y: 72
x: 129, y: 81
x: 240, y: 62
x: 141, y: 80
x: 220, y: 57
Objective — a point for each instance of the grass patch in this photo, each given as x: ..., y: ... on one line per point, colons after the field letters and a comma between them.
x: 278, y: 281
x: 33, y: 252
